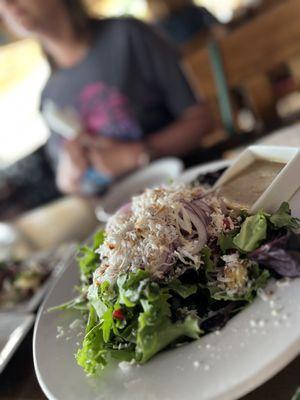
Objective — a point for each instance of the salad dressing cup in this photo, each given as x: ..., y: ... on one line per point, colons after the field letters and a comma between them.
x: 284, y: 187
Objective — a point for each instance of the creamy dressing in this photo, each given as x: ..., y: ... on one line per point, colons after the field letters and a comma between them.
x: 244, y: 189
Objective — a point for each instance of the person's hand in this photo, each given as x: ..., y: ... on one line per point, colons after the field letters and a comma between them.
x: 113, y: 157
x: 72, y: 165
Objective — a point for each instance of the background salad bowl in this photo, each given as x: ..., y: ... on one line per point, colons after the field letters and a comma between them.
x: 223, y: 365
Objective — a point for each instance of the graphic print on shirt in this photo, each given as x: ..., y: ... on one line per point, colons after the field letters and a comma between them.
x: 105, y: 110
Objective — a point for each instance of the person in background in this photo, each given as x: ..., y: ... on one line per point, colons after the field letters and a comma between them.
x: 121, y: 79
x: 182, y: 20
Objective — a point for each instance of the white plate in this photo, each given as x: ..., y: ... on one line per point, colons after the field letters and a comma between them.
x: 157, y: 173
x: 253, y: 346
x: 13, y: 328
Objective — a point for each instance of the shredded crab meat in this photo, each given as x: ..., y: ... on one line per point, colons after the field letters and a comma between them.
x: 159, y: 228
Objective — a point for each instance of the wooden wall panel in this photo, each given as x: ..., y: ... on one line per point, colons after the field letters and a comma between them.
x: 249, y: 54
x: 269, y: 39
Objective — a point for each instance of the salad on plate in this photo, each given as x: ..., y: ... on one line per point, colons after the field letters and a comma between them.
x: 23, y: 282
x: 173, y: 265
x: 20, y: 280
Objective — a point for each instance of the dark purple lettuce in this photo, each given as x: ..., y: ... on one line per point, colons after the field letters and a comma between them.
x: 281, y: 255
x: 209, y: 178
x: 219, y: 318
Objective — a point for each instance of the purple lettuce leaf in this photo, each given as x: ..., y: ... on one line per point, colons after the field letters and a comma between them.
x: 281, y: 255
x: 218, y: 319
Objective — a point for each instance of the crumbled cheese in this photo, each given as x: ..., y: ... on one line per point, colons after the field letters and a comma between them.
x: 222, y: 219
x: 264, y: 295
x: 75, y: 324
x: 283, y: 282
x: 234, y: 277
x: 60, y: 332
x: 126, y: 366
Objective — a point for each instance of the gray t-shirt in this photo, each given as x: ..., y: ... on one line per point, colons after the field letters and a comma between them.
x: 129, y: 84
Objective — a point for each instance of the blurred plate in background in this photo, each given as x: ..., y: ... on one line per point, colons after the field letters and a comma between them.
x: 55, y: 261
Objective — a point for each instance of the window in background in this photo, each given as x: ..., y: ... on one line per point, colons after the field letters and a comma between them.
x: 137, y: 8
x: 224, y: 9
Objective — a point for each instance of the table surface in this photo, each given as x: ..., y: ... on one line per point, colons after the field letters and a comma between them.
x: 18, y: 381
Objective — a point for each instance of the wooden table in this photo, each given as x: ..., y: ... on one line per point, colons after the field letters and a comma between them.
x: 18, y: 382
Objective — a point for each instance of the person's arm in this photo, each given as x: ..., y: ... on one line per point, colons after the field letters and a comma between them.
x: 72, y: 164
x: 183, y: 135
x: 114, y: 158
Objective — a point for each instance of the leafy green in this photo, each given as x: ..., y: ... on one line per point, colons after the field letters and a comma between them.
x: 252, y: 233
x: 99, y: 306
x: 297, y: 395
x: 93, y: 356
x: 225, y: 241
x: 184, y: 290
x: 78, y: 304
x: 206, y: 256
x: 283, y: 219
x: 137, y: 317
x: 153, y: 338
x: 146, y: 326
x: 130, y: 287
x: 88, y: 259
x: 259, y: 279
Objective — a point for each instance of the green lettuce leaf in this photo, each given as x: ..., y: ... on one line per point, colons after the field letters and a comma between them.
x: 146, y: 327
x: 156, y: 331
x: 88, y: 259
x: 206, y: 256
x: 252, y: 233
x: 225, y: 241
x: 93, y: 356
x: 183, y: 290
x: 283, y: 219
x: 130, y: 287
x: 98, y: 304
x: 153, y: 339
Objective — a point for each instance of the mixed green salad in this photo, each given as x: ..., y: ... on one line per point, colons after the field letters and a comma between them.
x: 19, y: 280
x: 173, y: 265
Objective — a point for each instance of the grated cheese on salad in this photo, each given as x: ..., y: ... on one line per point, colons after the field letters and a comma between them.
x: 158, y: 228
x: 234, y: 278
